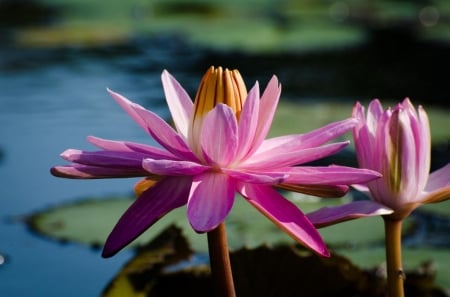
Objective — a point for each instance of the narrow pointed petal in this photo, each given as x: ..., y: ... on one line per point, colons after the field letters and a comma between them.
x: 323, y: 191
x: 267, y: 108
x: 285, y: 215
x: 219, y: 138
x: 363, y: 139
x: 162, y: 132
x: 179, y: 102
x: 78, y: 171
x: 438, y: 186
x: 110, y: 159
x: 331, y: 175
x: 126, y: 146
x: 423, y: 142
x: 374, y: 114
x: 169, y: 167
x: 129, y: 107
x: 248, y: 122
x: 283, y: 158
x: 311, y: 139
x: 255, y: 177
x: 164, y: 196
x: 327, y: 216
x: 362, y: 188
x: 438, y: 178
x: 210, y: 200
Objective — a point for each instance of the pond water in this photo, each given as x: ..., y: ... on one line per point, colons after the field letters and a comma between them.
x: 51, y: 100
x: 46, y: 107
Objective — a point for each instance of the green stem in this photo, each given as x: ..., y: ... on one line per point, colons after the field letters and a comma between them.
x: 395, y: 274
x: 220, y: 262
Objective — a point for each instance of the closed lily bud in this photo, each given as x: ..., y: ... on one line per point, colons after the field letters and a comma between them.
x: 397, y: 143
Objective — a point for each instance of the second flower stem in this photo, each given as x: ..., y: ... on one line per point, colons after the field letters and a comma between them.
x: 395, y: 274
x: 220, y: 262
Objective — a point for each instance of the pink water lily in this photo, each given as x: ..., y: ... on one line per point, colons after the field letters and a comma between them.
x: 216, y: 148
x: 397, y: 143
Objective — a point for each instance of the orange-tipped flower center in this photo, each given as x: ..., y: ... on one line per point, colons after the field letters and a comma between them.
x: 217, y: 86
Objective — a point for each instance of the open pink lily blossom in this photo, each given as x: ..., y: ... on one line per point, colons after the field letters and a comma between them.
x: 216, y: 148
x: 397, y: 143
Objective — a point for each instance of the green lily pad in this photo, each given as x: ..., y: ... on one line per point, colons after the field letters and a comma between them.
x: 90, y: 221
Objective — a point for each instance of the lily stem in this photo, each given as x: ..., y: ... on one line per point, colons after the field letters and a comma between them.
x: 220, y: 262
x: 393, y: 239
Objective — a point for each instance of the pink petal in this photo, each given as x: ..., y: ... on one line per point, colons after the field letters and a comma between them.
x: 438, y: 186
x: 179, y: 102
x: 374, y: 114
x: 327, y: 216
x: 255, y: 177
x: 210, y: 200
x: 109, y: 159
x: 311, y: 139
x: 281, y: 158
x: 219, y: 137
x: 267, y: 108
x: 156, y: 127
x: 248, y: 122
x: 79, y: 171
x: 170, y: 167
x: 153, y: 204
x: 331, y: 175
x: 284, y: 214
x: 423, y: 142
x: 126, y: 146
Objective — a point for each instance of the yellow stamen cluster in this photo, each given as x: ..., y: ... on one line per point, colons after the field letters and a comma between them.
x: 220, y: 86
x: 217, y: 86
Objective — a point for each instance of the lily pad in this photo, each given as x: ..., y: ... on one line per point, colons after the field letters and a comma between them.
x: 90, y: 221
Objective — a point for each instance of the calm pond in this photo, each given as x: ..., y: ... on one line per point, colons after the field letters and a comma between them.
x: 52, y: 98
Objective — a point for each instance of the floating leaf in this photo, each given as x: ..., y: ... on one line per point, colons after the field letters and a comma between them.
x: 90, y: 221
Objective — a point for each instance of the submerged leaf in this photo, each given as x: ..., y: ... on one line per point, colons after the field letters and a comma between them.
x: 140, y: 274
x: 165, y: 267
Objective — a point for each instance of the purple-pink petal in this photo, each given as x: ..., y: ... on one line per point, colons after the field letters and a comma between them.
x: 170, y: 167
x: 330, y: 175
x: 284, y: 214
x: 248, y: 122
x: 210, y: 200
x: 110, y: 159
x: 179, y: 102
x: 327, y: 216
x: 162, y: 132
x: 164, y: 196
x: 281, y: 158
x: 255, y: 177
x: 219, y: 137
x: 311, y: 139
x: 267, y: 107
x: 127, y: 146
x: 79, y: 171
